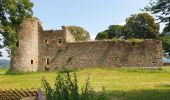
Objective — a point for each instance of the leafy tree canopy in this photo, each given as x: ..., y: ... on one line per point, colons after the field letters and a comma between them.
x: 113, y: 31
x: 166, y: 44
x: 162, y: 9
x: 12, y: 12
x: 102, y: 35
x: 79, y: 33
x: 141, y: 25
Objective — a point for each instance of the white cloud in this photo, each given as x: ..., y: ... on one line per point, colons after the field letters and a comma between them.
x: 122, y: 23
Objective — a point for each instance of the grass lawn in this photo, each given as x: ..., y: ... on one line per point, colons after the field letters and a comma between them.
x: 120, y: 84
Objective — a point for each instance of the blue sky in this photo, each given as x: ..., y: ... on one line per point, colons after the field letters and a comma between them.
x: 92, y: 15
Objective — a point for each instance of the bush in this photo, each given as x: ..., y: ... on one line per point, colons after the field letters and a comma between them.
x: 66, y: 88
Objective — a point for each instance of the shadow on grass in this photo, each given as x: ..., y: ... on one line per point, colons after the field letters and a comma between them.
x: 13, y: 72
x: 158, y: 94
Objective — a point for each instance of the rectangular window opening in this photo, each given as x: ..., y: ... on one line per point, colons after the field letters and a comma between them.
x: 32, y: 61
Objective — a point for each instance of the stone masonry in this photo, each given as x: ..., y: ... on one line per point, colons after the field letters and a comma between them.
x: 40, y: 49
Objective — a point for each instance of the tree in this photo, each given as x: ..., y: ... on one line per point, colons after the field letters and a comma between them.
x: 165, y: 38
x: 79, y: 33
x: 113, y: 31
x: 141, y: 25
x: 166, y: 44
x: 166, y: 30
x: 162, y: 9
x: 102, y: 35
x: 12, y: 12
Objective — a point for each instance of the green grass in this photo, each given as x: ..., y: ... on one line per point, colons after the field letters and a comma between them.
x: 123, y: 83
x: 128, y: 40
x: 135, y: 40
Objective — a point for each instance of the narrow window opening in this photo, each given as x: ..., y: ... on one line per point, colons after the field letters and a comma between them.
x: 47, y: 64
x: 46, y: 42
x: 60, y: 41
x: 47, y: 61
x: 17, y: 44
x: 32, y: 61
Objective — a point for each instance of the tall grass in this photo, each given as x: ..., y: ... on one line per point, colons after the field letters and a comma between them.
x: 66, y: 88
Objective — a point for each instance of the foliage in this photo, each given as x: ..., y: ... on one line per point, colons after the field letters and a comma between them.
x: 113, y: 31
x: 102, y: 35
x: 126, y: 33
x: 162, y: 9
x: 66, y: 88
x: 141, y: 25
x: 79, y: 33
x: 12, y: 12
x: 166, y: 30
x: 166, y: 44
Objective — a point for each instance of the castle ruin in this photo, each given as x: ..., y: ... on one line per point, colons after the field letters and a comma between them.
x: 40, y: 49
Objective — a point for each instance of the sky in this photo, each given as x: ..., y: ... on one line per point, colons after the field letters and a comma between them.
x: 93, y: 15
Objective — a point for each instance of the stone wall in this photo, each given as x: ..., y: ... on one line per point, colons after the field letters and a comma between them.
x: 51, y: 49
x: 37, y: 45
x: 48, y: 41
x: 108, y: 54
x: 69, y: 37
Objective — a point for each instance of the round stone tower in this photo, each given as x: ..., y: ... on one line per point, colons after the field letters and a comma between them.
x: 25, y: 58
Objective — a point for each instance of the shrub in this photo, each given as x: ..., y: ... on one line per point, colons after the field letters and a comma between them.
x: 66, y: 88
